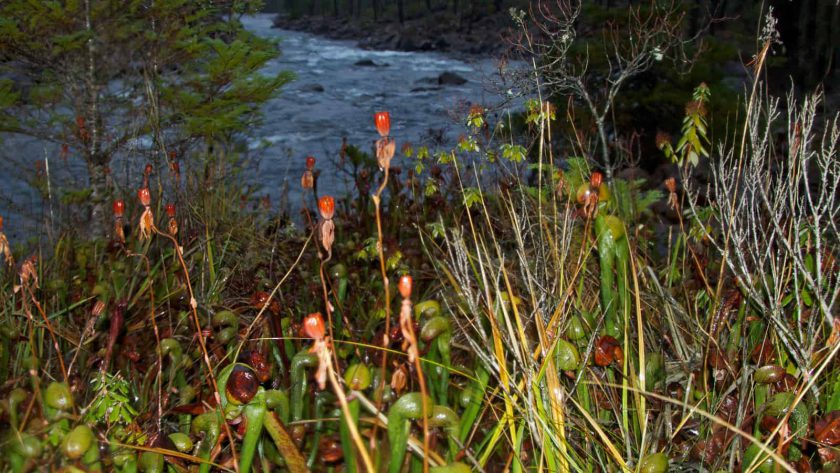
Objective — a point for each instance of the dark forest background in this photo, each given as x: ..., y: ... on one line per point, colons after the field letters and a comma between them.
x: 809, y: 50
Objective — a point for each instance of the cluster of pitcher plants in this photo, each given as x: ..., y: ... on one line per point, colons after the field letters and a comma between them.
x: 424, y: 323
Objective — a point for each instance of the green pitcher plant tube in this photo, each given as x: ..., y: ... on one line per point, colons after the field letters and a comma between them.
x: 446, y: 418
x: 254, y: 414
x: 21, y: 446
x: 229, y: 322
x: 181, y: 441
x: 57, y: 396
x: 437, y: 331
x: 242, y: 395
x: 407, y: 408
x: 278, y: 401
x: 151, y: 462
x: 206, y: 426
x: 358, y: 378
x: 322, y: 399
x: 16, y: 397
x: 339, y: 273
x: 300, y: 363
x: 80, y: 443
x: 613, y: 258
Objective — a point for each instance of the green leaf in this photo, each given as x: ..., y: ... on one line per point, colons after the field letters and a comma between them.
x: 513, y: 153
x: 472, y: 196
x: 436, y: 229
x: 431, y: 188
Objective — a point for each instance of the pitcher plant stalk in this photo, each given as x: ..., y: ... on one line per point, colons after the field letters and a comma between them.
x: 410, y: 345
x: 382, y: 120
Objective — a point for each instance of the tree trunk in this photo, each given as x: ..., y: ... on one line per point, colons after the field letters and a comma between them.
x: 401, y: 10
x: 89, y: 132
x: 429, y: 5
x: 99, y: 197
x: 375, y: 10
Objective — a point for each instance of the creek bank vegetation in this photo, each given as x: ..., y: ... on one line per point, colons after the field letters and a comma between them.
x: 435, y: 319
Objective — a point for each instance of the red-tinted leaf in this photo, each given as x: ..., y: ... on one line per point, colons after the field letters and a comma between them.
x: 608, y: 350
x: 764, y: 353
x: 827, y: 429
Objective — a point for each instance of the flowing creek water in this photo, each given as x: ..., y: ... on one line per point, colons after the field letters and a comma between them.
x: 334, y: 96
x: 337, y: 88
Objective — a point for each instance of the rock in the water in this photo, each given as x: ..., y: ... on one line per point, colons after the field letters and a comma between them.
x: 368, y: 63
x: 451, y: 78
x: 312, y: 88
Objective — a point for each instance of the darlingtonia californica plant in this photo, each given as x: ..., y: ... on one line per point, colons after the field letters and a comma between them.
x: 119, y: 211
x: 147, y: 219
x: 385, y: 145
x: 307, y: 181
x: 589, y: 194
x: 673, y: 200
x: 406, y: 322
x: 173, y: 223
x: 314, y: 328
x: 326, y: 206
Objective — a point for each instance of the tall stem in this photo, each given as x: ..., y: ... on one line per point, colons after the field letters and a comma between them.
x: 386, y: 286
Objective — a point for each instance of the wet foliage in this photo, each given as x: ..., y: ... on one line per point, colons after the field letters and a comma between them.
x: 489, y: 307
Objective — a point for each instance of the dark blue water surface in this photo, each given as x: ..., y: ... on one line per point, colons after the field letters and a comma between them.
x: 333, y: 96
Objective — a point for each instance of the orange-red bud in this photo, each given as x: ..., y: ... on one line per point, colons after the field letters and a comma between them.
x: 595, y: 180
x: 383, y: 123
x: 170, y: 210
x: 313, y: 326
x: 404, y: 285
x: 145, y: 196
x: 119, y: 208
x: 671, y: 184
x: 327, y: 207
x: 310, y: 162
